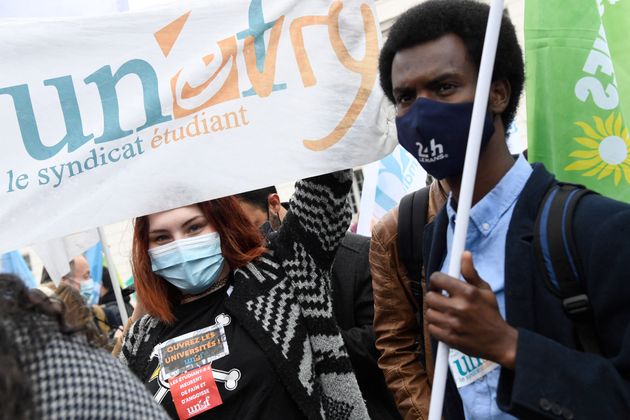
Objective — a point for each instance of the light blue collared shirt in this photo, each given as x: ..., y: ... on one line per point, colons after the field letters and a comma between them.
x: 487, y: 233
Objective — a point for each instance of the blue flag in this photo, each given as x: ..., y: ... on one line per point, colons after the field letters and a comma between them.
x: 94, y: 257
x: 13, y: 262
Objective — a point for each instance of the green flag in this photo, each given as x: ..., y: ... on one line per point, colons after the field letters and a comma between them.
x: 578, y: 91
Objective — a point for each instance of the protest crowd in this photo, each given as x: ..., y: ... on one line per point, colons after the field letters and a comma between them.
x: 244, y: 306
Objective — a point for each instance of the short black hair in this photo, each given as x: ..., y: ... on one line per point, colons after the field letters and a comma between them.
x: 258, y: 198
x: 106, y: 280
x: 467, y: 19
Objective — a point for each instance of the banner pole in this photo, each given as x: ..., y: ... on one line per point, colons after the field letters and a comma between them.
x: 464, y: 201
x: 368, y: 198
x: 112, y: 274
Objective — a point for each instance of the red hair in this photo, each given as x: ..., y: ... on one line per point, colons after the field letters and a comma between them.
x: 241, y: 242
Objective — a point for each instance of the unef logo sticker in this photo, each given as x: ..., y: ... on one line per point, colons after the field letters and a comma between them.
x: 188, y: 98
x: 466, y: 369
x: 195, y: 392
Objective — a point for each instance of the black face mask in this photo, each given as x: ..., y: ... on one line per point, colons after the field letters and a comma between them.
x: 266, y: 229
x: 436, y: 134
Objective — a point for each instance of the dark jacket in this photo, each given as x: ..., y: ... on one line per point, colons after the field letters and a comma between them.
x: 353, y: 306
x: 552, y: 379
x: 110, y: 307
x: 401, y: 343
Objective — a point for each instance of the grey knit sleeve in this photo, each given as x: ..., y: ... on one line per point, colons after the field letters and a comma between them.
x: 319, y: 214
x: 137, y: 334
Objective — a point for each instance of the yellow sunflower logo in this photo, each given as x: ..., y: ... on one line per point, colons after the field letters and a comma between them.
x: 607, y: 149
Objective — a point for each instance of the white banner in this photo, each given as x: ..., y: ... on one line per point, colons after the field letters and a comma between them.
x: 47, y: 8
x: 56, y: 254
x: 108, y: 118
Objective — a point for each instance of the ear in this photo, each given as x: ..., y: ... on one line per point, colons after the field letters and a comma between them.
x: 500, y: 92
x: 274, y: 202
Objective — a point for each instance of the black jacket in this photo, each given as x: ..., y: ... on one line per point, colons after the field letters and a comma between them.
x: 551, y: 378
x: 353, y: 305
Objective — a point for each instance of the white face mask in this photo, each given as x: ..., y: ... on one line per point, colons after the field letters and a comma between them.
x: 192, y: 265
x: 86, y: 288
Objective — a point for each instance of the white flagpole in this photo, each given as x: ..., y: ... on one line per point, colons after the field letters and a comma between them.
x: 368, y: 198
x: 112, y: 274
x: 468, y: 183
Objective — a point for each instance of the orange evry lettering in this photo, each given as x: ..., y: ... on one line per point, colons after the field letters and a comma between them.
x: 262, y: 82
x: 367, y: 67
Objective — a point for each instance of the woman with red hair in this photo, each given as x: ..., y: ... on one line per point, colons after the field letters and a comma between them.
x: 235, y: 329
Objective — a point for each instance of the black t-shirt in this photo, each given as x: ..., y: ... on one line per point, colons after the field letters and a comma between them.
x: 257, y: 394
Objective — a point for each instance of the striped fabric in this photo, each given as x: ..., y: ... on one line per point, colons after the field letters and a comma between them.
x: 283, y: 300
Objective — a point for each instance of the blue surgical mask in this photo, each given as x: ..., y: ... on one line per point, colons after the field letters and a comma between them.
x: 192, y: 265
x: 436, y: 134
x: 86, y: 288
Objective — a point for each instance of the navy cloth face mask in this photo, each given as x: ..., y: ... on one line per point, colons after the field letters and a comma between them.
x: 192, y: 265
x: 436, y: 134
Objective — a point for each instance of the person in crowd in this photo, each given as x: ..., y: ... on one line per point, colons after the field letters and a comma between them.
x: 107, y: 313
x: 515, y: 351
x: 351, y: 294
x: 264, y: 208
x: 400, y: 337
x: 78, y: 277
x: 237, y: 329
x: 79, y: 315
x: 75, y: 289
x: 51, y: 369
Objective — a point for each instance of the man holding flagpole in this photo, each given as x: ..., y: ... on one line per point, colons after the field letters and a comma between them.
x: 517, y: 346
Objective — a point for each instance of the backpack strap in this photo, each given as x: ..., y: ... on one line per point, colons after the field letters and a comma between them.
x: 412, y: 216
x: 555, y: 248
